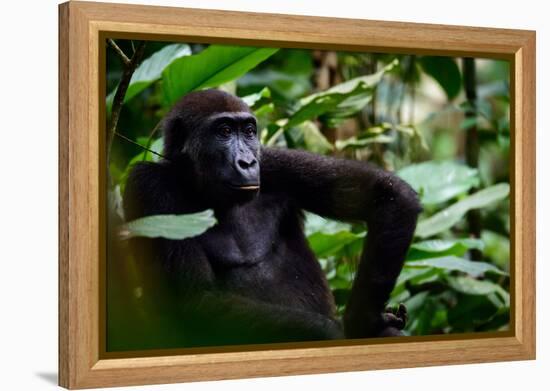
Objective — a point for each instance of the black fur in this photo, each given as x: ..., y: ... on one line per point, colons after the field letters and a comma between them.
x: 252, y: 278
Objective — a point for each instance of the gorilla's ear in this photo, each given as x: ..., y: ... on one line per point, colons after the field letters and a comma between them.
x: 175, y: 135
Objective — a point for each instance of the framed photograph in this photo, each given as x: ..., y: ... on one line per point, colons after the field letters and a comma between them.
x: 247, y: 195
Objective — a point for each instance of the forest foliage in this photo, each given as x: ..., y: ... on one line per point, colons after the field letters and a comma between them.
x: 441, y: 123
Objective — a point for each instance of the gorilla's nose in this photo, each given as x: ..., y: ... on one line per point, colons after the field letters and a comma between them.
x: 247, y: 168
x: 245, y: 164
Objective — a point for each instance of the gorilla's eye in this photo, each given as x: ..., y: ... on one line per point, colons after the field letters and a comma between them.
x: 225, y: 130
x: 250, y: 130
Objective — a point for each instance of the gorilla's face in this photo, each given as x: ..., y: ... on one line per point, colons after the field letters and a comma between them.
x: 216, y: 132
x: 228, y: 154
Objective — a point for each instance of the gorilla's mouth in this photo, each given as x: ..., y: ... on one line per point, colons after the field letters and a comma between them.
x: 246, y: 187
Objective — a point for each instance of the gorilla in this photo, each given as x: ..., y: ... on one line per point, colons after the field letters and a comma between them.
x: 252, y: 277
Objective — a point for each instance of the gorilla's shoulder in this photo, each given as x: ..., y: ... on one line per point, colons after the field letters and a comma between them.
x: 151, y: 188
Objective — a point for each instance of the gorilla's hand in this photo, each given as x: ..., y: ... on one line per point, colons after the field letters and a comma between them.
x: 392, y: 321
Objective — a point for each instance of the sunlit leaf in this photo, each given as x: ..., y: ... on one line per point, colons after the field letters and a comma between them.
x: 343, y: 100
x: 448, y: 217
x: 354, y: 142
x: 175, y: 227
x: 473, y: 268
x: 315, y: 223
x: 471, y: 286
x: 314, y: 140
x: 251, y: 99
x: 437, y: 182
x: 324, y: 245
x: 328, y: 237
x: 440, y: 247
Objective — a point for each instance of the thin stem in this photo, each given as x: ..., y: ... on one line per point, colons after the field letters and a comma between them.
x: 118, y: 100
x: 151, y: 135
x: 125, y: 60
x: 139, y: 145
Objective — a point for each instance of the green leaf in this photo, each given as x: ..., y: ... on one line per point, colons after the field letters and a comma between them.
x: 445, y: 71
x: 438, y: 247
x: 156, y: 146
x: 314, y: 140
x: 288, y: 86
x: 150, y: 70
x: 315, y: 223
x: 497, y: 248
x: 471, y: 311
x: 437, y: 182
x: 251, y: 99
x: 143, y: 156
x: 215, y: 65
x: 342, y: 100
x: 468, y: 123
x: 354, y: 142
x: 408, y: 273
x: 452, y: 263
x: 328, y: 237
x: 175, y: 227
x: 346, y: 272
x: 416, y: 302
x: 416, y: 275
x: 448, y: 217
x: 324, y: 245
x: 471, y: 286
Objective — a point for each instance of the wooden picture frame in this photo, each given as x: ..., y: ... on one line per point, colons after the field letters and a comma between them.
x: 83, y: 27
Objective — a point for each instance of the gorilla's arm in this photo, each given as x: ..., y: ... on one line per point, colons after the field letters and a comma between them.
x: 351, y: 190
x: 156, y: 188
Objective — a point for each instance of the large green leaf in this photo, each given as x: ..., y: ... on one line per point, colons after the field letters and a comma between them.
x: 471, y: 286
x: 342, y: 100
x: 150, y: 70
x: 315, y: 223
x: 324, y: 245
x: 215, y: 65
x: 448, y: 217
x: 328, y: 237
x: 288, y: 86
x: 313, y: 140
x: 438, y: 247
x: 445, y: 71
x: 415, y: 275
x: 472, y: 311
x: 473, y: 268
x: 175, y: 227
x: 288, y: 75
x: 437, y: 182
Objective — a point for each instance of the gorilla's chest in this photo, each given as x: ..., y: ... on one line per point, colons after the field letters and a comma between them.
x: 259, y: 250
x: 245, y: 235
